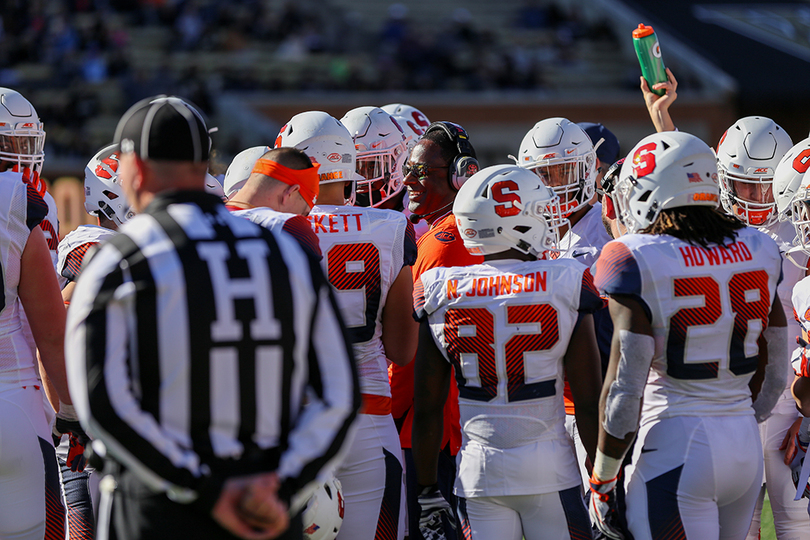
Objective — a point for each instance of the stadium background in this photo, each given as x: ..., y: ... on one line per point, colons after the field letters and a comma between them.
x: 494, y: 67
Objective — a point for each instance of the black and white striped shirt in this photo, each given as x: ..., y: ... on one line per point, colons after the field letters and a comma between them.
x: 202, y: 346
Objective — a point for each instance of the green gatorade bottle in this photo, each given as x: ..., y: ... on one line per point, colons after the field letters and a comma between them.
x: 649, y: 56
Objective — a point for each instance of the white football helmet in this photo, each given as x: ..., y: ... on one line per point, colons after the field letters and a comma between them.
x: 412, y: 121
x: 800, y: 212
x: 562, y: 154
x: 327, y: 142
x: 213, y: 186
x: 787, y: 178
x: 747, y: 156
x: 240, y: 168
x: 665, y: 170
x: 103, y: 195
x: 506, y: 206
x: 324, y: 511
x: 22, y: 137
x: 381, y: 152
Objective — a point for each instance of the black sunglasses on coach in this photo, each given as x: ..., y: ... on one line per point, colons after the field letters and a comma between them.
x: 419, y: 170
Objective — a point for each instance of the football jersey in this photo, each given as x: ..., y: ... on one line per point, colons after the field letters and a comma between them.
x: 707, y: 308
x: 364, y: 251
x: 801, y: 314
x: 22, y: 210
x: 794, y: 264
x: 505, y: 327
x: 73, y: 248
x: 293, y: 224
x: 584, y: 241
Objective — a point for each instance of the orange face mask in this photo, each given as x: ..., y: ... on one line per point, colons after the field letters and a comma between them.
x: 305, y: 179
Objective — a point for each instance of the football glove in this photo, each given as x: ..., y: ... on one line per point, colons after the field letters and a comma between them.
x: 602, y: 508
x: 67, y: 424
x: 436, y: 511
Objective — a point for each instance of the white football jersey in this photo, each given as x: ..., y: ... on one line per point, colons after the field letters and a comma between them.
x: 505, y: 327
x: 584, y: 241
x: 22, y: 210
x: 364, y: 250
x: 793, y: 270
x: 73, y: 248
x: 293, y: 224
x: 707, y: 308
x: 801, y: 314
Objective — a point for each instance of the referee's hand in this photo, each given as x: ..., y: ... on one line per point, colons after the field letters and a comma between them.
x: 249, y: 507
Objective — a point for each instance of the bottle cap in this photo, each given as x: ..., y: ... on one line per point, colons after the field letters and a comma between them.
x: 643, y: 31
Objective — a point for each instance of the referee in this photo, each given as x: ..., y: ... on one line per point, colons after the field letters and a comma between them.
x: 204, y: 351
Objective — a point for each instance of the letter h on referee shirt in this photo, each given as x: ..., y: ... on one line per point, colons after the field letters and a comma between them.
x: 228, y: 289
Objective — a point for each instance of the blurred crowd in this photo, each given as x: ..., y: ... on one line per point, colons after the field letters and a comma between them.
x: 83, y: 59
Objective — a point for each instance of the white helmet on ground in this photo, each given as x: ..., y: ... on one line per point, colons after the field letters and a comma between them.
x: 412, y: 121
x: 665, y: 170
x: 327, y: 142
x: 103, y: 195
x: 747, y: 156
x: 505, y: 206
x: 562, y: 154
x: 381, y: 152
x: 324, y: 511
x: 22, y: 137
x: 787, y: 178
x: 240, y: 168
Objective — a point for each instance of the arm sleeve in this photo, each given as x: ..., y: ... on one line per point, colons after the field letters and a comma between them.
x: 317, y: 441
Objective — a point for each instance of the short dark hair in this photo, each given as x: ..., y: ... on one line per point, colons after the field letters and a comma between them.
x: 701, y: 225
x: 449, y: 150
x: 290, y: 157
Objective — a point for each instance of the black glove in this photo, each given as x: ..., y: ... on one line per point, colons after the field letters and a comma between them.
x: 78, y: 441
x: 435, y: 511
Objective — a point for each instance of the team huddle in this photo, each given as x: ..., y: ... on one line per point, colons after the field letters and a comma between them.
x: 571, y: 345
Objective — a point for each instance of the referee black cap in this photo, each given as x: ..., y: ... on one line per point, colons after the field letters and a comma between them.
x: 164, y: 128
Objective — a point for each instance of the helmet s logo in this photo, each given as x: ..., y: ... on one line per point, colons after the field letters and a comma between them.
x: 509, y: 198
x: 334, y: 157
x: 802, y: 162
x: 644, y: 160
x: 420, y: 120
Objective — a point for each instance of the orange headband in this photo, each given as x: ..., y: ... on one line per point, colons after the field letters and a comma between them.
x: 305, y: 179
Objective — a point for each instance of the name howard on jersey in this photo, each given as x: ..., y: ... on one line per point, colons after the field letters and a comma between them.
x: 499, y: 285
x: 331, y: 223
x: 699, y: 256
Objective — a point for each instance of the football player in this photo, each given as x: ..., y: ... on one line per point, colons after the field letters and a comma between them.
x: 747, y: 157
x: 381, y: 152
x: 105, y: 199
x: 691, y: 293
x: 367, y: 257
x: 510, y: 327
x: 241, y: 168
x: 563, y: 156
x: 279, y: 193
x: 22, y: 142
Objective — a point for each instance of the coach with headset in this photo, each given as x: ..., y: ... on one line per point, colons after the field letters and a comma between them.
x: 438, y: 165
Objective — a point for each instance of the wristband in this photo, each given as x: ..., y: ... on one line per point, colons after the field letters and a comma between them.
x: 605, y: 468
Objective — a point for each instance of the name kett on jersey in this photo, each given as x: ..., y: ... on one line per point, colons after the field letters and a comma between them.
x: 699, y: 256
x: 499, y: 285
x: 331, y: 223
